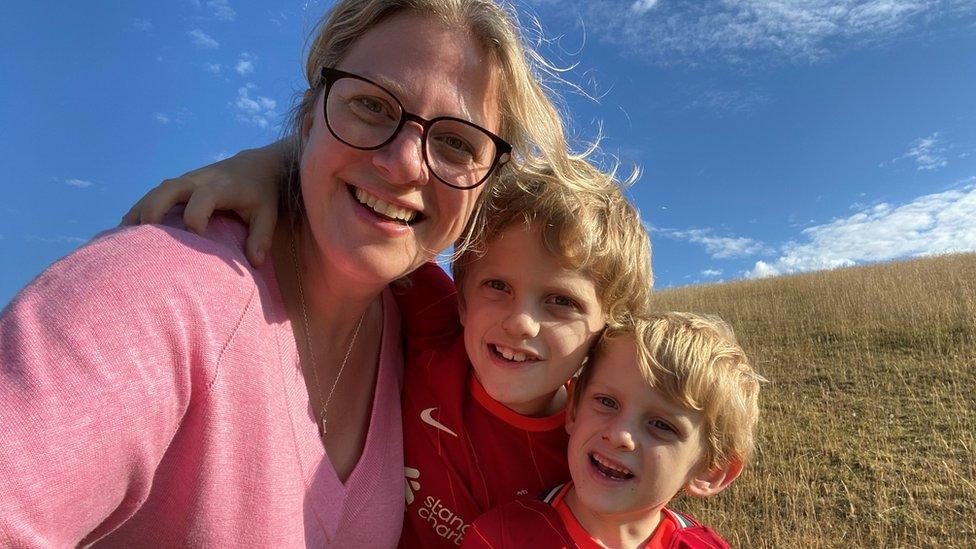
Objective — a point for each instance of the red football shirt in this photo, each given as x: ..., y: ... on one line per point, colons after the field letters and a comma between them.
x: 464, y: 453
x: 550, y: 524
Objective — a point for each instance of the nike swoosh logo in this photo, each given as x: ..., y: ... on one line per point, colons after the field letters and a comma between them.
x: 426, y: 418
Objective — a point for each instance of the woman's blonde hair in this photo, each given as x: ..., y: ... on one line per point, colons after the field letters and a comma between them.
x: 696, y: 362
x: 583, y: 219
x: 529, y: 121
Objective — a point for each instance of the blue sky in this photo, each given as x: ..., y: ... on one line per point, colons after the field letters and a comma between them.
x: 773, y: 137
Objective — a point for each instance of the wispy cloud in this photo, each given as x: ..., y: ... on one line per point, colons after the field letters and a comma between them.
x: 179, y: 117
x: 77, y: 183
x: 717, y: 246
x: 60, y: 239
x: 245, y: 64
x: 144, y: 25
x: 729, y: 101
x: 203, y: 39
x: 258, y: 110
x: 670, y: 32
x: 212, y: 68
x: 928, y: 153
x: 932, y: 224
x: 711, y: 273
x: 220, y: 9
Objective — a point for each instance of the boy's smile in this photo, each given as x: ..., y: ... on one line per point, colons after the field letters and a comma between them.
x: 528, y: 321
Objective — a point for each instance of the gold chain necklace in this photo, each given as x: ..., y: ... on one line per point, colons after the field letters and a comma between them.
x: 324, y: 414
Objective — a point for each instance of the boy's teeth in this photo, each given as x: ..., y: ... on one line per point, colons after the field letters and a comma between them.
x: 615, y: 471
x: 510, y: 354
x: 384, y: 208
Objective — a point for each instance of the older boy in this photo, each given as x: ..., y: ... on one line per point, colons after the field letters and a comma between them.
x: 667, y: 405
x: 483, y: 407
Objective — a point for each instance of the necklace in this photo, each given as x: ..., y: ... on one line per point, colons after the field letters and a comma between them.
x: 323, y: 421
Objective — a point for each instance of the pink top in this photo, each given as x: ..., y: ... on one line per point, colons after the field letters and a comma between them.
x: 151, y: 394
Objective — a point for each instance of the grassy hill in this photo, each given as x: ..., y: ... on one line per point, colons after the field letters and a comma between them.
x: 868, y: 427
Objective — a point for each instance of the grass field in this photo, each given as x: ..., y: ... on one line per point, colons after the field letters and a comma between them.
x: 868, y: 427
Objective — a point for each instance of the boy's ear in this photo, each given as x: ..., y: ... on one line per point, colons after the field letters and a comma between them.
x: 462, y: 308
x: 712, y: 481
x: 571, y: 409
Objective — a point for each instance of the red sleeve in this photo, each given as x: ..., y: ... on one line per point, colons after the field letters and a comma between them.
x: 428, y: 303
x: 487, y: 531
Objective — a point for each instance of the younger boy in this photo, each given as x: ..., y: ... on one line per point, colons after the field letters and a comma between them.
x: 666, y: 405
x: 551, y: 263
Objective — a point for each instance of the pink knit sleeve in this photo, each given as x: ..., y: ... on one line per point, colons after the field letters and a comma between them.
x: 99, y: 359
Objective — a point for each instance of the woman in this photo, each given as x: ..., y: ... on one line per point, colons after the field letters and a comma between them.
x: 156, y: 390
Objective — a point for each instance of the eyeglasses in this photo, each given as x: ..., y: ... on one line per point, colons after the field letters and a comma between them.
x: 365, y: 116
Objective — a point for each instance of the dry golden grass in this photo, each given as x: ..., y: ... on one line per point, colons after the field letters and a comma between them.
x: 868, y: 427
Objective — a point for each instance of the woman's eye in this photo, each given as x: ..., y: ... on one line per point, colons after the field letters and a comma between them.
x: 367, y: 104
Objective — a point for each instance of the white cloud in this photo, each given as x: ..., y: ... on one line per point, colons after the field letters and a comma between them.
x: 710, y: 273
x: 245, y: 64
x: 726, y: 30
x: 929, y: 153
x: 161, y: 118
x: 144, y: 25
x: 932, y: 224
x: 179, y: 117
x: 729, y: 101
x: 718, y: 247
x: 220, y: 9
x: 643, y: 6
x: 254, y: 110
x: 78, y: 183
x: 212, y: 68
x: 203, y: 39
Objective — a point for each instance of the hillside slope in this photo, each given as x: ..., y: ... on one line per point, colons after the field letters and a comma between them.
x: 868, y: 428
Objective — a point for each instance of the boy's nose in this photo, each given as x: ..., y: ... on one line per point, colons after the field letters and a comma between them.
x: 619, y: 438
x: 521, y: 324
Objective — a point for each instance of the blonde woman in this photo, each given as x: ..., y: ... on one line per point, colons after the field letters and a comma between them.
x: 157, y: 390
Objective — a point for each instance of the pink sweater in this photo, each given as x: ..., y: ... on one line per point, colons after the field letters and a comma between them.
x: 151, y: 395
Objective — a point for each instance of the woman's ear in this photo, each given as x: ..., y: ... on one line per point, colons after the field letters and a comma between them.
x: 712, y: 481
x: 309, y: 116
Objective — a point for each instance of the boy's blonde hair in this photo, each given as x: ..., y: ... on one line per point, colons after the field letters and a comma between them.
x: 697, y: 363
x: 587, y: 223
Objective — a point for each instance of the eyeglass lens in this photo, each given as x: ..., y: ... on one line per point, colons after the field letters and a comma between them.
x: 365, y: 116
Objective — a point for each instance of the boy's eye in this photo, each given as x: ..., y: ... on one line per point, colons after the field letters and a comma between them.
x: 497, y: 285
x: 606, y: 401
x: 662, y: 426
x: 564, y: 301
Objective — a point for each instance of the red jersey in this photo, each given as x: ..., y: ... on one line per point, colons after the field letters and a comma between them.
x: 464, y: 453
x: 548, y: 523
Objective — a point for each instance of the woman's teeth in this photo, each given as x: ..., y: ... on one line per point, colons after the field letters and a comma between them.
x: 384, y: 208
x: 611, y: 470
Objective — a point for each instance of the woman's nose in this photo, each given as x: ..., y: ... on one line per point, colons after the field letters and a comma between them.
x: 401, y: 161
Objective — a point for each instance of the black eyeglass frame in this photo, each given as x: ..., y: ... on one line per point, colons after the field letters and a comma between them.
x: 503, y: 151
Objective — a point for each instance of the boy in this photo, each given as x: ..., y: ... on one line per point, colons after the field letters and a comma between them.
x: 666, y: 405
x: 551, y: 264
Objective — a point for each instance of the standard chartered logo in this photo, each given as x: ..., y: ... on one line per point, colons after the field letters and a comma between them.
x: 412, y: 484
x: 441, y: 520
